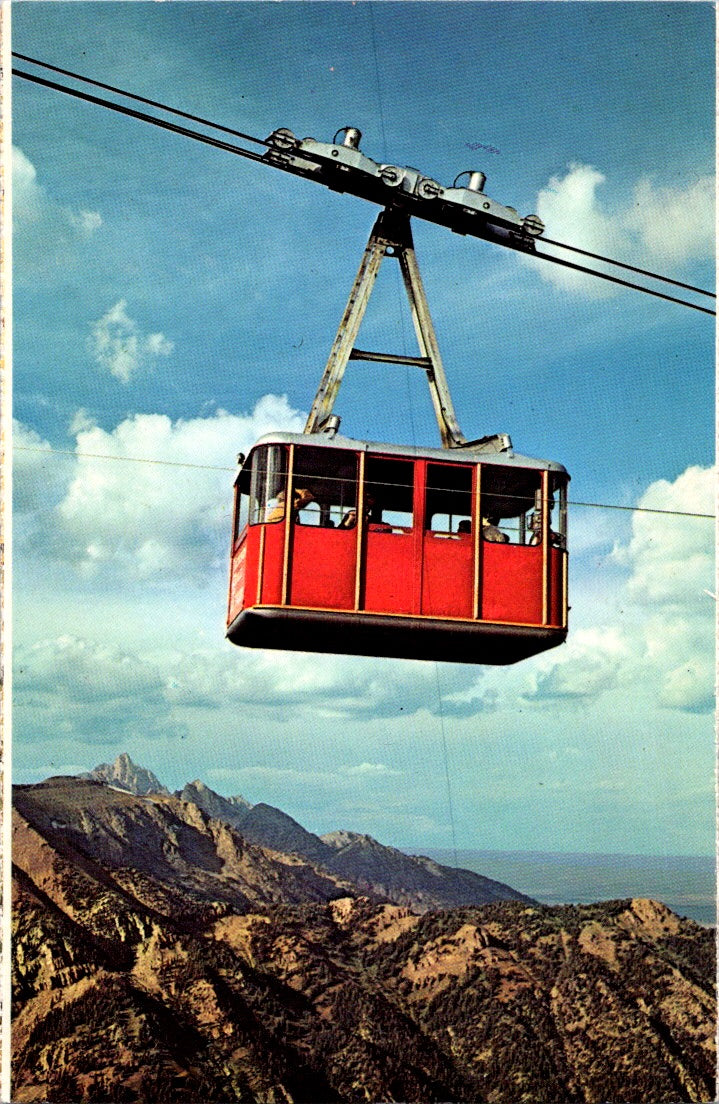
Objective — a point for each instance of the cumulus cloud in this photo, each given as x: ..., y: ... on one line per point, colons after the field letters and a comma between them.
x: 339, y: 687
x: 659, y: 225
x: 663, y: 643
x: 118, y: 345
x: 690, y: 686
x: 38, y: 473
x: 593, y: 664
x: 158, y: 503
x: 674, y: 224
x: 38, y: 219
x: 94, y: 692
x: 672, y: 557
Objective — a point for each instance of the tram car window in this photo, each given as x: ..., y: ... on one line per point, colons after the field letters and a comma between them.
x: 268, y: 484
x: 512, y: 503
x: 448, y: 500
x: 242, y: 510
x: 507, y: 496
x: 327, y: 479
x: 389, y: 494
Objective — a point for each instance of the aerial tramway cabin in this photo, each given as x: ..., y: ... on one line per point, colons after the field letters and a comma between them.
x: 398, y: 551
x: 456, y: 553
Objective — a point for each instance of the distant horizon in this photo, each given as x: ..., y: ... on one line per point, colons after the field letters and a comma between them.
x: 578, y: 854
x: 410, y: 849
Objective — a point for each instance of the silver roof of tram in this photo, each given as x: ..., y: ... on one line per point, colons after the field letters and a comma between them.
x: 465, y: 455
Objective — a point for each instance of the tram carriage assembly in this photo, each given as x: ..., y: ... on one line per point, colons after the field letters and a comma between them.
x: 394, y: 551
x: 456, y: 553
x: 340, y: 545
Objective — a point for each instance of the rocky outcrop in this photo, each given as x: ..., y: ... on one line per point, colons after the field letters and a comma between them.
x: 126, y: 775
x: 230, y: 809
x: 159, y: 955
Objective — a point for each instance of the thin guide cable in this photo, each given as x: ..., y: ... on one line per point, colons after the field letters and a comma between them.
x: 49, y: 452
x: 445, y: 756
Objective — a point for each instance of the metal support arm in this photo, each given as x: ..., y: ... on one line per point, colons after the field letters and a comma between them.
x: 391, y: 232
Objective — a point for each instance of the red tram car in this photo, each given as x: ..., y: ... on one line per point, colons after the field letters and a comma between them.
x: 456, y: 553
x: 388, y: 550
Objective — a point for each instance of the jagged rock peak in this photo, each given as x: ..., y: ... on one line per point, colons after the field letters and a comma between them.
x: 127, y: 775
x: 237, y: 800
x: 343, y: 838
x: 227, y: 808
x: 240, y: 801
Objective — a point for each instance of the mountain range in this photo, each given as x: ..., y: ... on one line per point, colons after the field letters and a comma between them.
x: 373, y: 868
x: 161, y: 954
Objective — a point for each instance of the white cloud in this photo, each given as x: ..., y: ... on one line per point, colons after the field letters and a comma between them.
x: 571, y: 211
x: 660, y: 226
x: 373, y: 769
x: 118, y: 345
x: 672, y: 557
x: 342, y: 776
x: 96, y: 693
x: 40, y: 479
x: 330, y: 686
x: 690, y: 687
x: 170, y: 516
x: 662, y: 643
x: 674, y: 224
x: 591, y: 664
x: 36, y: 214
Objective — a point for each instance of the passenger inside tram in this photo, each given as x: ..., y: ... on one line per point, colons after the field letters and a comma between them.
x: 492, y: 532
x: 301, y: 497
x: 535, y: 526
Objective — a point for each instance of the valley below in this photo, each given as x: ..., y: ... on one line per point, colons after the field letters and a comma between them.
x: 164, y: 952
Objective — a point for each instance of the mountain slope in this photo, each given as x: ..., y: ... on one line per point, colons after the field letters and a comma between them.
x: 158, y: 955
x: 412, y: 880
x: 165, y: 853
x: 373, y: 867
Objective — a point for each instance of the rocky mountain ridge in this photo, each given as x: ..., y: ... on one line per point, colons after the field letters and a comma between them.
x: 160, y: 955
x: 126, y: 775
x: 373, y: 868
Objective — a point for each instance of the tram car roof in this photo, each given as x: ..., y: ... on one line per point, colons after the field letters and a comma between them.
x: 513, y: 487
x: 464, y: 455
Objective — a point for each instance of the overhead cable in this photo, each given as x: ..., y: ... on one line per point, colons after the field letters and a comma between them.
x: 307, y: 155
x: 140, y: 99
x: 142, y: 116
x: 631, y: 268
x: 624, y: 283
x: 227, y: 468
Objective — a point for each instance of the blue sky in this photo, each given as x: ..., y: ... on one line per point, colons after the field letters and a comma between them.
x: 172, y: 302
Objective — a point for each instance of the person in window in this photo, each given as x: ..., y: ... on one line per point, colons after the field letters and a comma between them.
x: 300, y: 498
x: 535, y: 526
x: 350, y: 519
x: 464, y: 529
x: 491, y: 532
